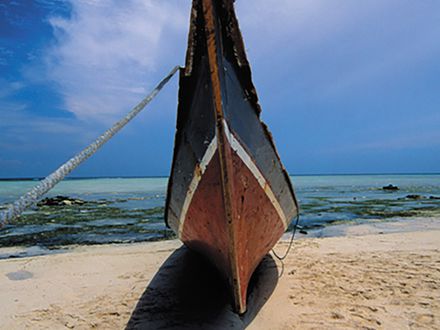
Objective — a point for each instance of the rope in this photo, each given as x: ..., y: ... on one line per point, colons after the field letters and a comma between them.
x: 31, y: 197
x: 291, y: 242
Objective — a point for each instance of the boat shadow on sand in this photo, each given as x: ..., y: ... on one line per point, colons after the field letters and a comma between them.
x: 187, y: 292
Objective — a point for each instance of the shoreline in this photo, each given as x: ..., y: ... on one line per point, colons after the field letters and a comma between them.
x: 363, y: 279
x: 359, y: 228
x: 373, y: 226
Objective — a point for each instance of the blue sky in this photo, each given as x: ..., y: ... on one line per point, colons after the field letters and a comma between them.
x: 345, y: 86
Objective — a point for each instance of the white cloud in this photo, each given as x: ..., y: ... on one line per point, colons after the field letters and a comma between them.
x: 109, y: 53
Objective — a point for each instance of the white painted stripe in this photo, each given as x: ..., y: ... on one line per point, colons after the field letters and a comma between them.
x: 198, y: 173
x: 241, y: 152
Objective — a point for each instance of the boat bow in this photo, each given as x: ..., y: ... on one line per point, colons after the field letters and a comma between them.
x: 229, y: 196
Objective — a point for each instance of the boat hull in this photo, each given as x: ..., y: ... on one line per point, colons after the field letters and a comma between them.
x: 229, y: 196
x: 238, y: 247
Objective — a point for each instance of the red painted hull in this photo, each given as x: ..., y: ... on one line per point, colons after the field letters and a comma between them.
x: 238, y: 247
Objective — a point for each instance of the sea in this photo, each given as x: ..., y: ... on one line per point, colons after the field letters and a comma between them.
x: 125, y: 210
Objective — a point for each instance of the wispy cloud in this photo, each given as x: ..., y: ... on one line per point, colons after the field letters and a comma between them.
x: 22, y: 130
x: 5, y: 55
x: 8, y: 88
x: 9, y: 162
x: 422, y: 140
x: 419, y: 133
x: 107, y: 52
x: 299, y: 25
x: 335, y: 46
x: 33, y: 145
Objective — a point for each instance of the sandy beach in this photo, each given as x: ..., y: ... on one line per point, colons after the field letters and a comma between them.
x: 369, y: 279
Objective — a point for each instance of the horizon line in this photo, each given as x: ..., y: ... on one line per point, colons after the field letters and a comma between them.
x: 38, y: 178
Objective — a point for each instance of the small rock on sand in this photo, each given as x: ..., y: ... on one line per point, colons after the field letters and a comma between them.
x: 414, y: 196
x: 60, y: 201
x: 390, y: 187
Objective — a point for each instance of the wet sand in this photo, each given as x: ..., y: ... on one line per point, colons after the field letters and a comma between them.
x: 363, y: 280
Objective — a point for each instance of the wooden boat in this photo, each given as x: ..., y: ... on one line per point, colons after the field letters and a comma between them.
x: 229, y: 197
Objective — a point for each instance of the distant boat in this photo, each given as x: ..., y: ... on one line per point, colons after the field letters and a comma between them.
x: 229, y: 197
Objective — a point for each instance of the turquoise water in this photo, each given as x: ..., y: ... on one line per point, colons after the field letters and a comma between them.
x: 121, y: 210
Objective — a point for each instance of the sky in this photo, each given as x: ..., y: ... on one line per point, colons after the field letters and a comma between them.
x: 345, y: 86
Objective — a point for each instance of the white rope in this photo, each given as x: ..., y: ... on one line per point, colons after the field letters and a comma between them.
x: 31, y: 197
